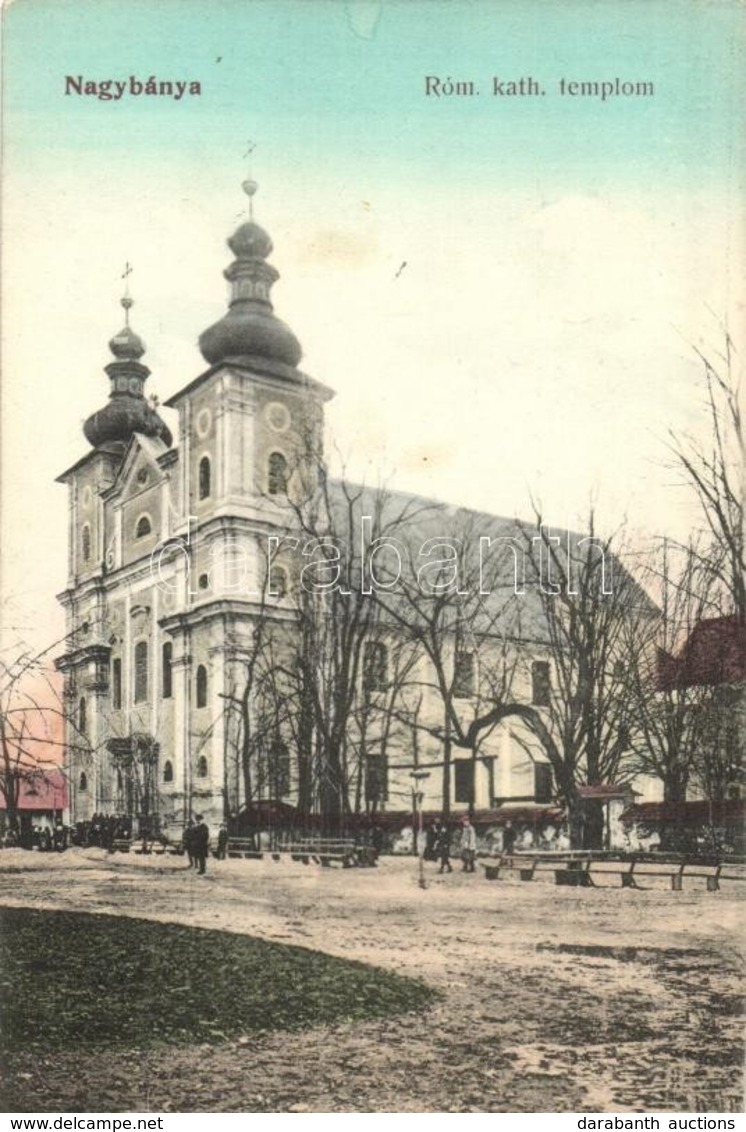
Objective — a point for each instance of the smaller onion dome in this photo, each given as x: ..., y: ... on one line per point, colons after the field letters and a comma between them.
x: 122, y: 417
x: 127, y: 410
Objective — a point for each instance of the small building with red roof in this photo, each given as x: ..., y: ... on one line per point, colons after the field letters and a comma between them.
x: 43, y: 800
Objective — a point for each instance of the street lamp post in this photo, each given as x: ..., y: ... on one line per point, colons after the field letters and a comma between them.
x: 418, y: 794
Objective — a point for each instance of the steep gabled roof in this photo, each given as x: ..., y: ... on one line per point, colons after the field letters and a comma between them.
x: 416, y: 519
x: 715, y: 653
x: 153, y: 448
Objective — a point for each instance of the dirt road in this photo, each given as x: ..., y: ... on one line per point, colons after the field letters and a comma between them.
x: 556, y: 999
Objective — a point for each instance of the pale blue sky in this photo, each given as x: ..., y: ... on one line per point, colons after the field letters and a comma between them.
x: 356, y: 99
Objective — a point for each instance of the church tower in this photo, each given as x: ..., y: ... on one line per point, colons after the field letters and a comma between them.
x: 168, y: 555
x: 246, y: 427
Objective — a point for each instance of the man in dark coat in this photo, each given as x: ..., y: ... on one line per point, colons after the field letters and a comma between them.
x: 222, y: 842
x: 201, y: 841
x: 443, y: 847
x: 188, y: 842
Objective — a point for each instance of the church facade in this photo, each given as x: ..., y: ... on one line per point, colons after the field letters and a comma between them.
x: 167, y: 585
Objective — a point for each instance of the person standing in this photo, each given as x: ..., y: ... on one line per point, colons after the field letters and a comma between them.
x: 508, y: 838
x: 188, y: 842
x: 222, y: 842
x: 468, y: 846
x: 443, y: 847
x: 201, y: 842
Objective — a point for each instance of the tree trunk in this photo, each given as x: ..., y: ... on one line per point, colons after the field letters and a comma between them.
x: 593, y: 824
x: 473, y: 784
x: 674, y: 835
x: 330, y: 792
x: 447, y: 766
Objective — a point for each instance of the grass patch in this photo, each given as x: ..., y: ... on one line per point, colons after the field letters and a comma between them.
x: 68, y: 978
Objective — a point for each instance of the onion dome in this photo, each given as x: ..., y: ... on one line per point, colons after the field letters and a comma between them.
x: 250, y: 329
x: 127, y: 410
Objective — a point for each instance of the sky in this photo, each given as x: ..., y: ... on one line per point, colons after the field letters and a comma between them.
x: 504, y: 292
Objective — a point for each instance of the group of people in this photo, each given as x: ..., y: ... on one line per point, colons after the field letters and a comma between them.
x: 196, y: 843
x: 51, y: 840
x: 439, y: 840
x: 104, y: 829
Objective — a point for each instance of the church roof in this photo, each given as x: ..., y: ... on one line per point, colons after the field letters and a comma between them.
x: 714, y: 653
x: 420, y: 522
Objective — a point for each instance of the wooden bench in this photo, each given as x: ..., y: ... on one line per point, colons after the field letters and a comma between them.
x: 148, y: 845
x: 578, y: 870
x: 526, y: 866
x: 491, y: 868
x: 625, y: 870
x: 529, y: 868
x: 121, y: 845
x: 324, y: 852
x: 676, y: 872
x: 588, y: 869
x: 243, y: 847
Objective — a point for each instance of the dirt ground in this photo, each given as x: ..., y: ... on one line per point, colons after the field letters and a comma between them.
x: 555, y: 999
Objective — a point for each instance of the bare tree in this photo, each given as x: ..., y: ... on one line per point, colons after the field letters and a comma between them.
x: 596, y: 617
x: 336, y: 618
x: 301, y: 681
x: 714, y: 469
x: 668, y: 714
x: 32, y: 718
x: 382, y: 715
x: 466, y: 627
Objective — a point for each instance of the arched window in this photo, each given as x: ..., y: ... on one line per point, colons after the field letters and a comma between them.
x: 86, y: 540
x: 201, y: 767
x: 141, y: 671
x: 204, y: 477
x: 143, y: 527
x: 83, y: 782
x: 375, y: 666
x: 82, y: 716
x: 168, y: 771
x: 277, y: 477
x: 201, y: 686
x: 167, y: 673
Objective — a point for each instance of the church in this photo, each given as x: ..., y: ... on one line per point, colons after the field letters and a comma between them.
x: 160, y: 634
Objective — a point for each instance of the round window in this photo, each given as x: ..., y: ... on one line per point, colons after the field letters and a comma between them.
x: 203, y: 422
x: 277, y: 416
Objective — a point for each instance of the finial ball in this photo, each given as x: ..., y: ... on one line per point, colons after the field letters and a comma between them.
x: 249, y: 187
